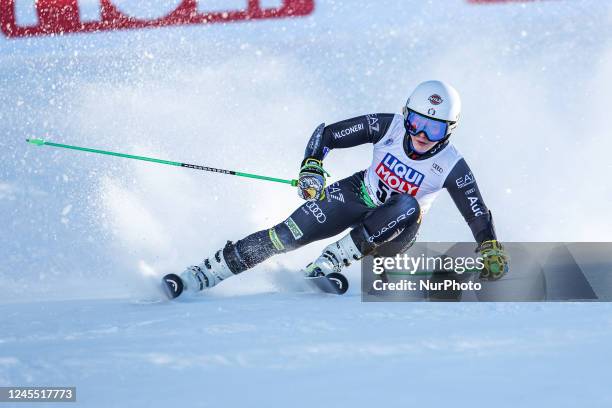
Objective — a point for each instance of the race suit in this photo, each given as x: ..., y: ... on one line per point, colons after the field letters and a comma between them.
x: 382, y: 205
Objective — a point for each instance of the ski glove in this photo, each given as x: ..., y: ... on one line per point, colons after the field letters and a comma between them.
x: 494, y: 258
x: 311, y: 182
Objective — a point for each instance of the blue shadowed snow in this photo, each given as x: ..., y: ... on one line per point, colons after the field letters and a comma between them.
x: 309, y: 350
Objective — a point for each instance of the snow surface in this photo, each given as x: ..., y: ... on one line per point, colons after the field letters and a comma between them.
x: 308, y: 350
x: 83, y: 237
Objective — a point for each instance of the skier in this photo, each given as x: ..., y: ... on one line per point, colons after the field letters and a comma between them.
x: 413, y: 160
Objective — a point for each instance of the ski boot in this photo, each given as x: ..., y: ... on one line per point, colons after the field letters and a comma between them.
x: 198, y: 277
x: 325, y: 271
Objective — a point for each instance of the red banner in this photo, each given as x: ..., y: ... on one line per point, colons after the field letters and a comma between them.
x: 63, y: 16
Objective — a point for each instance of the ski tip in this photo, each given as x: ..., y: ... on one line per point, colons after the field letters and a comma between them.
x: 37, y: 142
x: 334, y: 283
x: 339, y: 281
x: 173, y: 285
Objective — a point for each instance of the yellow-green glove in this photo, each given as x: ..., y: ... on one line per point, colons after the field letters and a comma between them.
x: 311, y: 182
x: 494, y: 258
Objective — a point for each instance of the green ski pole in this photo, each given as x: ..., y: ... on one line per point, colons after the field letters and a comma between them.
x: 40, y: 142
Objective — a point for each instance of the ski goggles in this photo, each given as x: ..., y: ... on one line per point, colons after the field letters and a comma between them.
x: 435, y: 130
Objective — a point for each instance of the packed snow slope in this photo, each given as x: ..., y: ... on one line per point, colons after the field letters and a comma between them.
x: 85, y: 238
x: 307, y: 351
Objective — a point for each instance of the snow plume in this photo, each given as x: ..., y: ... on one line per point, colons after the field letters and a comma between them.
x: 232, y: 116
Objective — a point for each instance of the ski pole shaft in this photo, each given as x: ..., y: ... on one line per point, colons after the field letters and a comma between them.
x: 40, y: 142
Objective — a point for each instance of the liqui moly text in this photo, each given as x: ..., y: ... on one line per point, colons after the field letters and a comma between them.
x: 399, y: 176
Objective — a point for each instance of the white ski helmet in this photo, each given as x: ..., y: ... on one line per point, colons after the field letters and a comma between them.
x: 436, y: 100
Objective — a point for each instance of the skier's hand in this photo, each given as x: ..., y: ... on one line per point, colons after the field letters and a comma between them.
x: 311, y: 182
x: 494, y: 258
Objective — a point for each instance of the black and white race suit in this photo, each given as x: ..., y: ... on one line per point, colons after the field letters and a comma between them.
x: 381, y: 204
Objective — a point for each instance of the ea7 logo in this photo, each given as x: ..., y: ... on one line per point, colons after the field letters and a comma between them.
x: 373, y: 123
x: 465, y: 180
x: 48, y: 17
x: 334, y: 192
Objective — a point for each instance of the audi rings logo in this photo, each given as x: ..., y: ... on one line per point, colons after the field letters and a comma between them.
x: 435, y: 99
x: 316, y: 211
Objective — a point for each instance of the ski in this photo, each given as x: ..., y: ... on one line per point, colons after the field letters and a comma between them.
x: 334, y: 283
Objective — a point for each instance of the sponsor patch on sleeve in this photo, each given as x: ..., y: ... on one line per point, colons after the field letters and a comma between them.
x: 275, y: 239
x: 293, y: 227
